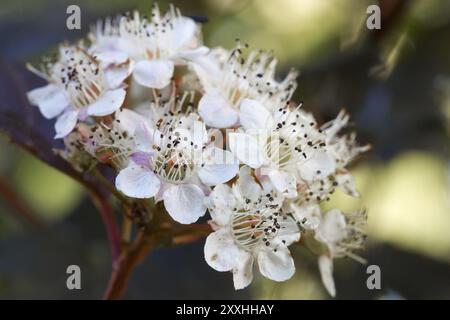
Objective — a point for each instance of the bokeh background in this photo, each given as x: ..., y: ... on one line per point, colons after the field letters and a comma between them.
x: 395, y: 82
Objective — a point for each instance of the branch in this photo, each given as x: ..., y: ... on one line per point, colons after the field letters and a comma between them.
x: 25, y: 127
x: 190, y: 233
x: 112, y: 229
x: 141, y: 247
x: 123, y: 268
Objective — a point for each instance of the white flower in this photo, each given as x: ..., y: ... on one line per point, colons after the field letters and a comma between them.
x: 286, y: 146
x: 343, y: 149
x: 342, y: 234
x: 114, y: 143
x: 250, y: 224
x: 155, y: 45
x: 230, y: 79
x: 77, y: 88
x: 308, y: 216
x: 176, y: 162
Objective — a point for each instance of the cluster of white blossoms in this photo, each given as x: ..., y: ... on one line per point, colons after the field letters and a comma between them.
x: 205, y: 130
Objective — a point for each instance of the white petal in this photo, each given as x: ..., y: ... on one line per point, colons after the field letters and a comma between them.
x: 185, y: 203
x: 198, y: 133
x: 308, y: 215
x: 284, y: 182
x: 246, y: 185
x: 137, y: 182
x: 288, y: 234
x: 277, y: 266
x: 319, y: 166
x: 216, y: 111
x: 107, y: 103
x: 332, y: 228
x: 115, y: 76
x: 347, y: 184
x: 185, y: 33
x: 130, y: 120
x: 246, y: 148
x: 193, y: 54
x: 65, y: 123
x: 220, y: 167
x: 144, y: 138
x: 153, y: 73
x: 222, y: 201
x: 326, y: 273
x: 208, y: 70
x: 220, y: 251
x: 51, y: 100
x: 243, y: 271
x: 111, y: 57
x: 162, y: 189
x: 253, y: 115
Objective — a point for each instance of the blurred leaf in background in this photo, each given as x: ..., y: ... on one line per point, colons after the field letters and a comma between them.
x: 50, y: 193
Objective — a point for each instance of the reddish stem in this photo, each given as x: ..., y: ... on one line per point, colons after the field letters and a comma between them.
x: 124, y: 266
x: 112, y: 229
x: 139, y: 249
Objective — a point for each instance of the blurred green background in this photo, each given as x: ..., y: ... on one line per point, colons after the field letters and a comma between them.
x: 395, y: 82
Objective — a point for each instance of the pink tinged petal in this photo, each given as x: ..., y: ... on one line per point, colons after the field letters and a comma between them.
x: 153, y: 73
x: 243, y: 271
x: 109, y: 102
x: 216, y: 111
x: 137, y: 182
x: 66, y: 123
x: 185, y: 203
x: 141, y: 159
x: 51, y: 100
x: 220, y: 167
x: 253, y: 115
x: 319, y: 166
x: 220, y: 251
x: 82, y: 114
x: 223, y: 201
x: 284, y: 182
x: 246, y: 148
x: 333, y: 227
x: 276, y: 265
x: 326, y: 273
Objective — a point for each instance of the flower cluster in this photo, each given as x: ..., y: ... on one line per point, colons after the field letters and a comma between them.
x: 205, y: 130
